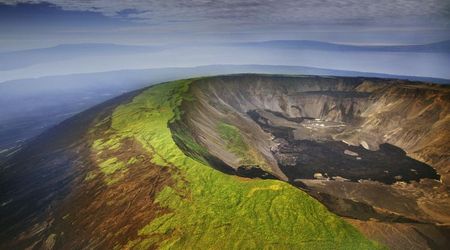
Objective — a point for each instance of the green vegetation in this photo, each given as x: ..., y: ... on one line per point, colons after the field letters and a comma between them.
x: 110, y: 144
x: 90, y: 176
x: 212, y: 210
x: 181, y: 137
x: 232, y: 136
x: 132, y: 160
x: 236, y: 144
x: 112, y: 169
x: 111, y: 165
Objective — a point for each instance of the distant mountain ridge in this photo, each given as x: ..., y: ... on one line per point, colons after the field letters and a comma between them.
x: 438, y: 47
x: 24, y: 58
x: 83, y: 46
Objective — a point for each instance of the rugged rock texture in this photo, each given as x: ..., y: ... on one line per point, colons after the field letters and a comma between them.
x: 366, y: 112
x: 367, y: 148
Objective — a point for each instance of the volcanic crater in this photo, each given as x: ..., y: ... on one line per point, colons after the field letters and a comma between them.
x: 321, y: 128
x: 355, y: 144
x: 136, y: 172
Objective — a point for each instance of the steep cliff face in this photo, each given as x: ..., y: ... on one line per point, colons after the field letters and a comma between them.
x: 366, y: 148
x: 416, y: 119
x: 358, y: 112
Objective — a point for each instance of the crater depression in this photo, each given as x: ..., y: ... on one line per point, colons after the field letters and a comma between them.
x: 239, y: 162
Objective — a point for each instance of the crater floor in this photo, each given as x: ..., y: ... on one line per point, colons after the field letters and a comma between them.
x: 305, y: 149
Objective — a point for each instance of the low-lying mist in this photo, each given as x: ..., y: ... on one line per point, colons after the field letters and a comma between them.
x: 425, y: 64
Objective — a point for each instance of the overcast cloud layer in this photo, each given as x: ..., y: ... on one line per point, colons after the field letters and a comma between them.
x: 263, y: 11
x: 206, y: 25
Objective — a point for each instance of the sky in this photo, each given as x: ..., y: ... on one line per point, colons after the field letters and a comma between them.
x: 197, y: 32
x: 34, y: 23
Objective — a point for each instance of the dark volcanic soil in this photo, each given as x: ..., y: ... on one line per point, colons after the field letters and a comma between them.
x: 43, y: 189
x: 301, y: 159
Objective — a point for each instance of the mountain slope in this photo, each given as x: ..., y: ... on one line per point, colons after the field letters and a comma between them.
x: 129, y: 185
x: 239, y: 161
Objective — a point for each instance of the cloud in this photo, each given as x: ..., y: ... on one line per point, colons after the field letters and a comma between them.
x: 181, y: 21
x: 261, y: 11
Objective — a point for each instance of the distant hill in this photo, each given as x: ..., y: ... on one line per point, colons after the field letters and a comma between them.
x: 24, y: 58
x: 438, y: 47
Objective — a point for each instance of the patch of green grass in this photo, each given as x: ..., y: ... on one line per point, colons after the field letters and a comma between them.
x: 132, y: 160
x: 233, y: 138
x: 236, y: 144
x: 196, y: 150
x: 212, y: 210
x: 110, y: 180
x: 90, y: 176
x: 190, y: 143
x: 111, y: 143
x: 111, y: 165
x: 113, y: 169
x: 98, y: 144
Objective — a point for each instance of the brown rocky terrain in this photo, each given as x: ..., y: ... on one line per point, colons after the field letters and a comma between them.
x: 373, y: 150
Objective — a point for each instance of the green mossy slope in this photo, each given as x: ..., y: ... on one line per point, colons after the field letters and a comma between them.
x: 211, y: 210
